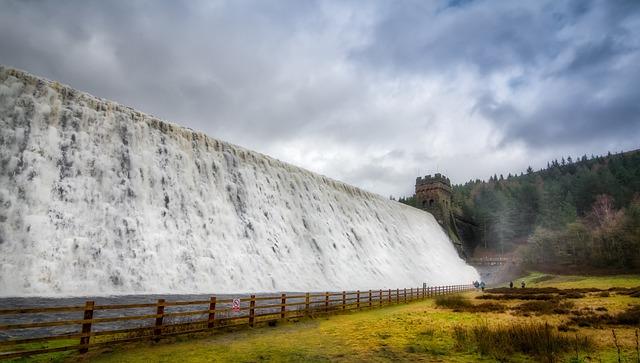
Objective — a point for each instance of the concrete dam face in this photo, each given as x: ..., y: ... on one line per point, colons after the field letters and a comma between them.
x: 100, y: 199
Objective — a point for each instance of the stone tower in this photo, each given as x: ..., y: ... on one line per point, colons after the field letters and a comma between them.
x: 433, y: 194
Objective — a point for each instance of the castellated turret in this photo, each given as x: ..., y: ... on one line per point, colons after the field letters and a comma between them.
x: 433, y: 194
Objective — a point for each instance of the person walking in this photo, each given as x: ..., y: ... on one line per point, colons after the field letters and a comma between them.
x: 482, y: 285
x: 522, y: 284
x: 511, y: 284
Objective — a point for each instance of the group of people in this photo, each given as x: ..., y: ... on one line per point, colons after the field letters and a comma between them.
x: 481, y: 285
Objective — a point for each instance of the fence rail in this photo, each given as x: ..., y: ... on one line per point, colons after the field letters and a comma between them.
x: 209, y: 314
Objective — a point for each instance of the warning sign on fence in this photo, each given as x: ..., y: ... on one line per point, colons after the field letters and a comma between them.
x: 235, y: 307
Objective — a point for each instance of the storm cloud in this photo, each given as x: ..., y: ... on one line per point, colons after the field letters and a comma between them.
x: 371, y: 93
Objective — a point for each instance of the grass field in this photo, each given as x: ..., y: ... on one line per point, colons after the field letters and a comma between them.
x: 419, y: 331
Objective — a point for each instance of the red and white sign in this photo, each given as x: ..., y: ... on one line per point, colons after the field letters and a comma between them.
x: 235, y: 307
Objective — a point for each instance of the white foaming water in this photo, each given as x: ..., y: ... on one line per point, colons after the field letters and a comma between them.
x: 99, y: 199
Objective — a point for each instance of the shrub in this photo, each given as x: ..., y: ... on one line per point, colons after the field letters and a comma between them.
x: 515, y: 297
x: 486, y: 308
x: 461, y: 303
x: 452, y: 301
x: 630, y: 316
x: 545, y: 307
x: 573, y: 295
x: 538, y: 340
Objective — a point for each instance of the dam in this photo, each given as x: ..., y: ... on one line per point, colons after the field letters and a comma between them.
x: 100, y: 199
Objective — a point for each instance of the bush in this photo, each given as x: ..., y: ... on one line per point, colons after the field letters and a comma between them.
x: 460, y: 303
x: 545, y: 307
x: 573, y: 295
x: 630, y: 317
x: 486, y: 308
x: 538, y: 340
x: 452, y: 301
x: 516, y: 297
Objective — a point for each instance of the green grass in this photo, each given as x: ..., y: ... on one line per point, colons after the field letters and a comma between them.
x: 52, y: 357
x: 538, y: 279
x: 397, y: 333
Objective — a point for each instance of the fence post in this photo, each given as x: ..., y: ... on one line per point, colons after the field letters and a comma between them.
x: 344, y: 299
x: 283, y: 308
x: 326, y: 301
x: 212, y: 313
x: 86, y: 326
x: 405, y: 294
x: 358, y: 299
x: 157, y: 330
x: 380, y: 297
x: 397, y: 296
x: 252, y: 311
x: 307, y: 301
x: 389, y: 296
x: 369, y: 299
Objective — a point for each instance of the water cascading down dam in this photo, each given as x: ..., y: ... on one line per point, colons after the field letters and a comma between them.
x: 99, y: 199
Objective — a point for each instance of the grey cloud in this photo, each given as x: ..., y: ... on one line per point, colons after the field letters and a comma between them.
x: 373, y: 92
x: 493, y: 38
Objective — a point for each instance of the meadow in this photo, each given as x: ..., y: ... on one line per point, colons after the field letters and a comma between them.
x: 556, y: 319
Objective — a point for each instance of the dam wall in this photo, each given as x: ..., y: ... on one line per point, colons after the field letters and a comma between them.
x: 100, y: 199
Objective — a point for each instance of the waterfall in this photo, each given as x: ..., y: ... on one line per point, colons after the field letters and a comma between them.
x: 99, y: 199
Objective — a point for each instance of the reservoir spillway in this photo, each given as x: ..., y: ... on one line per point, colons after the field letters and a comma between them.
x: 98, y: 199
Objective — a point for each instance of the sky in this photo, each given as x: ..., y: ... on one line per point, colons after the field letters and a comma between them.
x: 372, y: 93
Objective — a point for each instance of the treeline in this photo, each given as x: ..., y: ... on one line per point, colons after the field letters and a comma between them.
x: 573, y: 212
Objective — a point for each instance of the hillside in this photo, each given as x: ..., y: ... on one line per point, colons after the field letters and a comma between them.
x: 570, y: 213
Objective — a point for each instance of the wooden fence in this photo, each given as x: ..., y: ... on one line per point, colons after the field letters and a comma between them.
x: 165, y: 317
